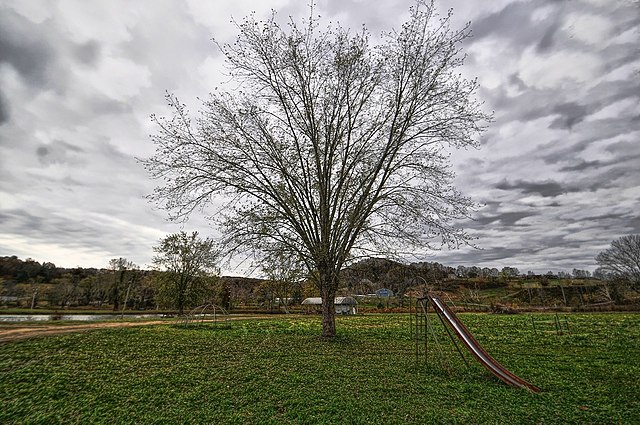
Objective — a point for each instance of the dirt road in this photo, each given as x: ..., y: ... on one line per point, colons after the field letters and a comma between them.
x: 19, y: 332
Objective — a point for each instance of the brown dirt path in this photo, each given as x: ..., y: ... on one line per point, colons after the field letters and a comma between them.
x: 20, y: 332
x: 23, y: 332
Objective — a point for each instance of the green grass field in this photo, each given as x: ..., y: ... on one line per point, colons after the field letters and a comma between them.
x: 279, y: 371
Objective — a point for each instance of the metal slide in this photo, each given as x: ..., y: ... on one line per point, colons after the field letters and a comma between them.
x: 476, y: 349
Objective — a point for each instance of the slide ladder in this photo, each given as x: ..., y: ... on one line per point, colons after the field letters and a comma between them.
x: 488, y: 362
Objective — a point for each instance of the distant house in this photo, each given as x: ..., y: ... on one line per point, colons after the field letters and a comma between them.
x: 8, y: 299
x: 343, y: 305
x: 384, y: 292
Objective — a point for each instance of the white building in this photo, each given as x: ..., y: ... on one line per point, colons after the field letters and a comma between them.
x: 343, y: 305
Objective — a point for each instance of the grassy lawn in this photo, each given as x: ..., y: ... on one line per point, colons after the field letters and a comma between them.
x: 278, y: 371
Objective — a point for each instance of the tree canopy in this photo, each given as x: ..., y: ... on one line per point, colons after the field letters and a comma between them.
x: 189, y: 261
x: 622, y: 260
x: 333, y: 147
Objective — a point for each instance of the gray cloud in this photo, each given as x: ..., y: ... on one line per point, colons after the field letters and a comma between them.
x: 354, y: 14
x: 589, y: 142
x: 514, y: 25
x: 38, y: 51
x: 506, y: 219
x: 23, y: 47
x: 58, y: 152
x: 625, y: 149
x: 536, y: 103
x: 88, y: 52
x: 615, y: 177
x: 87, y: 234
x: 619, y: 55
x: 620, y: 170
x: 543, y: 243
x: 513, y: 19
x: 626, y: 155
x: 21, y: 221
x: 5, y: 113
x: 25, y: 222
x: 596, y: 219
x: 547, y: 189
x: 570, y: 114
x: 546, y: 42
x: 490, y: 256
x: 516, y: 81
x: 582, y: 165
x: 633, y: 224
x: 558, y: 150
x: 104, y: 106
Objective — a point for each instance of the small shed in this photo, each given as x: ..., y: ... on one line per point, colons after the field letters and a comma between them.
x: 343, y: 305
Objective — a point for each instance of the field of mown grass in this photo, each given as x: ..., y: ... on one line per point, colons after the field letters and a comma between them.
x: 279, y: 371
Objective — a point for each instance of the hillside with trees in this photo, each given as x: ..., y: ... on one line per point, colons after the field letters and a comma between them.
x: 123, y: 286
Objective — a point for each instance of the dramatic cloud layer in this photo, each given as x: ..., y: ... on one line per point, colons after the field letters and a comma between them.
x: 557, y: 173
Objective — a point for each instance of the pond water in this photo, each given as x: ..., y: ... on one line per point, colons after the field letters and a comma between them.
x: 78, y: 317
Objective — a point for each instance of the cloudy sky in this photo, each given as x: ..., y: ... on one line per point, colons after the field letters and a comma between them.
x: 558, y: 171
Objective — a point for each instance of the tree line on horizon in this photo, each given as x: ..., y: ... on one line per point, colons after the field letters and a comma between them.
x: 179, y: 282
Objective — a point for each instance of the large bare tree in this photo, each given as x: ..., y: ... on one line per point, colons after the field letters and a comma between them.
x: 622, y: 260
x: 332, y: 147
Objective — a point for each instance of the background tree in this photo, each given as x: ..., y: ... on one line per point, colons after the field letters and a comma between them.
x: 123, y: 272
x: 284, y: 274
x: 86, y: 287
x: 237, y: 290
x: 62, y: 291
x: 144, y: 294
x: 622, y: 260
x: 580, y: 274
x: 613, y: 287
x: 100, y: 292
x: 509, y: 272
x: 190, y: 262
x: 333, y: 149
x: 265, y: 294
x: 399, y: 279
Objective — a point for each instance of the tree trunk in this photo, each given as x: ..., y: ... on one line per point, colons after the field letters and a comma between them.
x: 116, y: 295
x: 181, y: 302
x: 328, y: 317
x: 116, y: 291
x: 328, y: 294
x: 182, y: 292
